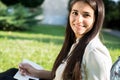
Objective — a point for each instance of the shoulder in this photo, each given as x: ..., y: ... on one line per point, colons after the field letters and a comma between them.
x: 96, y: 44
x: 97, y: 51
x: 96, y: 61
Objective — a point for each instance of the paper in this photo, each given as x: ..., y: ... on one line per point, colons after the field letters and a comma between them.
x: 21, y: 77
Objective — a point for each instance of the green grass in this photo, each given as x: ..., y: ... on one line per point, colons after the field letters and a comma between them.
x: 41, y: 44
x: 113, y: 44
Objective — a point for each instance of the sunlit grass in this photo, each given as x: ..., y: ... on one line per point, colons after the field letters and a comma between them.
x: 41, y: 44
x: 113, y: 44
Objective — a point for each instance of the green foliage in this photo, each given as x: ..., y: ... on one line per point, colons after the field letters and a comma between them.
x: 112, y: 14
x: 25, y: 3
x: 3, y: 9
x: 12, y: 19
x: 17, y: 17
x: 31, y: 3
x: 10, y: 2
x: 10, y: 23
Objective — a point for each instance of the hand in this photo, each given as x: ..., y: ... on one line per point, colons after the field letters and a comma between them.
x: 27, y: 69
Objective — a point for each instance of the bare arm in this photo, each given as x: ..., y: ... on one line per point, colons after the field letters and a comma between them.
x: 43, y: 74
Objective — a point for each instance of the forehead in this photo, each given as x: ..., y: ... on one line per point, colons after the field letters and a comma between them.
x: 82, y: 6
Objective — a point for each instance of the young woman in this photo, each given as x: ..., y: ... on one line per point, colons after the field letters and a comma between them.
x: 83, y: 56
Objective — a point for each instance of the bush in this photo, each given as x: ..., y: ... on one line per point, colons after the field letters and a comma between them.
x: 25, y: 3
x: 10, y: 2
x: 31, y: 3
x: 112, y: 14
x: 16, y: 17
x: 12, y: 19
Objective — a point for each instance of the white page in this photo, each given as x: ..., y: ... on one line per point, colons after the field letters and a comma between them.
x: 27, y: 77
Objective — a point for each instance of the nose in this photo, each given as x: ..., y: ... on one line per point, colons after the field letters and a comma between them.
x: 79, y: 19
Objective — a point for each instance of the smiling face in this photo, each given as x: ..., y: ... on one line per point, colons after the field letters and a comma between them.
x: 81, y: 18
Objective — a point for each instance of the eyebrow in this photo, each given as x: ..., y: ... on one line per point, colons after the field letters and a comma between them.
x: 74, y: 10
x: 86, y: 12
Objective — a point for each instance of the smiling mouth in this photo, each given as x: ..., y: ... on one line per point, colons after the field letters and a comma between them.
x: 84, y: 26
x: 79, y: 26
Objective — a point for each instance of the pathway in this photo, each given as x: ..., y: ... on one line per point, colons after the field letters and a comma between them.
x: 112, y: 32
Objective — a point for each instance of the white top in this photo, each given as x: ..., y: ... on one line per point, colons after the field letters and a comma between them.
x: 96, y: 63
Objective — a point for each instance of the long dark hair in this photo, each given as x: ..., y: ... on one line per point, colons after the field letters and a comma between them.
x: 72, y: 70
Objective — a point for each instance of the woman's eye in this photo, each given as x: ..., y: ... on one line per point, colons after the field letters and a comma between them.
x: 86, y: 15
x: 75, y: 13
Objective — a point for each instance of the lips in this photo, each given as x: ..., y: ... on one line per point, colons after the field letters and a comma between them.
x: 79, y: 26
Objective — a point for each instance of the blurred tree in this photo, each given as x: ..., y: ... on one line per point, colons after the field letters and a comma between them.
x: 31, y: 3
x: 10, y: 2
x: 111, y: 14
x: 25, y: 3
x: 12, y: 19
x: 17, y: 17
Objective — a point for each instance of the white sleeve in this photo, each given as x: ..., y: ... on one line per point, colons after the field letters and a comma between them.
x: 98, y: 65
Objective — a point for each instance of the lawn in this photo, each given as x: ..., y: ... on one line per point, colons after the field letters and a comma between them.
x: 113, y: 44
x: 41, y: 44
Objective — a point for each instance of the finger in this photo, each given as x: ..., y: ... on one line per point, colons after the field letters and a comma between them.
x: 22, y: 69
x: 23, y: 73
x: 21, y: 65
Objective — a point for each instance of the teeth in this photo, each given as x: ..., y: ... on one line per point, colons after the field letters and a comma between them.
x: 81, y: 26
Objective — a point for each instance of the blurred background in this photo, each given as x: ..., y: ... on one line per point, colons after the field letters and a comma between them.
x: 19, y: 13
x: 34, y: 30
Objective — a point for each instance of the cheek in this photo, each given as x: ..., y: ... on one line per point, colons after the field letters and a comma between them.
x: 90, y: 23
